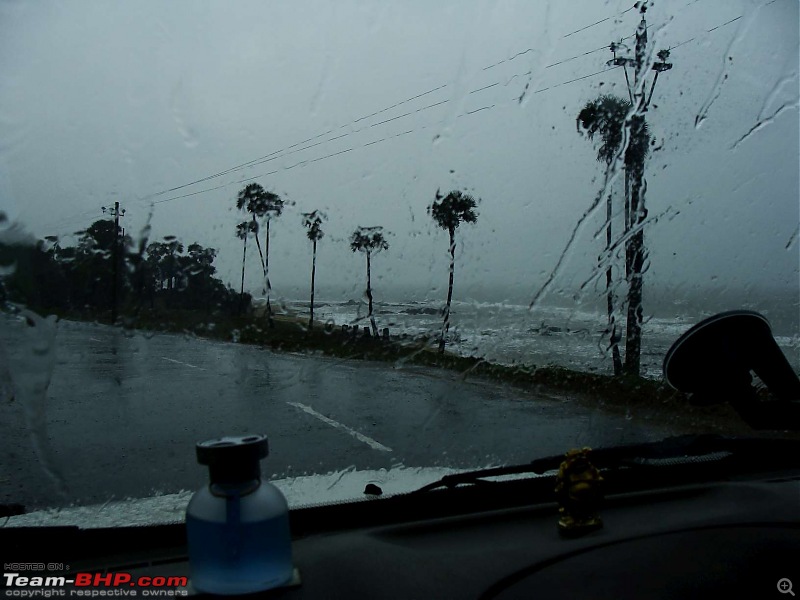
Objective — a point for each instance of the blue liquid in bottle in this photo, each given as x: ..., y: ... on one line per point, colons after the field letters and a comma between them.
x: 238, y: 532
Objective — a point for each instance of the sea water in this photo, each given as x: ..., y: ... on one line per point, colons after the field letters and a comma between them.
x: 512, y: 334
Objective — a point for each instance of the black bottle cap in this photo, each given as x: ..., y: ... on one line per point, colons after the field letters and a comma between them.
x: 233, y: 459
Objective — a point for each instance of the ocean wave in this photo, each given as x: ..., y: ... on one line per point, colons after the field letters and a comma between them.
x: 511, y: 334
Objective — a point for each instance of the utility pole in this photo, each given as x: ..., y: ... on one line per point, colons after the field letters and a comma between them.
x: 116, y: 213
x: 635, y: 185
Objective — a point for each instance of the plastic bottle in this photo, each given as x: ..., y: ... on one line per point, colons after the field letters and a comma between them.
x: 237, y: 526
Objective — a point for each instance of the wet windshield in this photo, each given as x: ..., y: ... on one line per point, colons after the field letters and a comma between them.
x: 401, y: 240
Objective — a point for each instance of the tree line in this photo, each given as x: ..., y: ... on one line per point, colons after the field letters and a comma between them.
x: 160, y: 275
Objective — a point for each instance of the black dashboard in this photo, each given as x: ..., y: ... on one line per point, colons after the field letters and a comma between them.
x: 737, y: 535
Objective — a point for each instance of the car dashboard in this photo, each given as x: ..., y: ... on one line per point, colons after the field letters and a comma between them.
x: 719, y: 530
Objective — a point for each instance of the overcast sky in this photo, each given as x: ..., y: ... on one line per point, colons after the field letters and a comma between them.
x: 120, y: 101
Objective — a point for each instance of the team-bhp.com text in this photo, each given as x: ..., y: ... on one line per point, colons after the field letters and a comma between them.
x: 93, y: 585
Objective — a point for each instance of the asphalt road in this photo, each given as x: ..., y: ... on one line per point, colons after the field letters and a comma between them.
x: 90, y: 413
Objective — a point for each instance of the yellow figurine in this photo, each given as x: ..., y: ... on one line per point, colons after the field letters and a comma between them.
x: 578, y: 494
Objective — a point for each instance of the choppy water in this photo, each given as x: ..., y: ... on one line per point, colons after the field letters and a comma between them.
x: 512, y: 334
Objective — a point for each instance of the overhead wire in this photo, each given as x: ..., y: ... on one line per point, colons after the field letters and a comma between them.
x: 466, y: 113
x: 563, y: 83
x: 285, y: 154
x: 395, y: 105
x: 725, y: 23
x: 598, y: 22
x: 277, y: 154
x: 576, y: 79
x: 518, y: 54
x: 256, y: 160
x: 711, y: 30
x: 269, y: 156
x: 566, y: 60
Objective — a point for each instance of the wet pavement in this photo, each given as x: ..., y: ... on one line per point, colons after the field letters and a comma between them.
x: 123, y: 410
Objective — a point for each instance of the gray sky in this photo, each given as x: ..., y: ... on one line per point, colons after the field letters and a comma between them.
x: 119, y: 101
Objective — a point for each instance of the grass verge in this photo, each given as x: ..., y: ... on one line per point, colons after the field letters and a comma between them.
x: 636, y: 397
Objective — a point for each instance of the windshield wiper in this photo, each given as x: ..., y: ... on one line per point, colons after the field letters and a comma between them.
x: 680, y: 450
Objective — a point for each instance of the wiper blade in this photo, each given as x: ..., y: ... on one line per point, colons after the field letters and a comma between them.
x: 686, y: 448
x: 477, y: 477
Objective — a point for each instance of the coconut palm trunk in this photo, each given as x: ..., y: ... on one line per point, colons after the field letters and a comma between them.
x: 260, y: 255
x: 266, y: 276
x: 313, y: 275
x: 369, y: 298
x: 446, y: 322
x: 241, y: 292
x: 312, y: 221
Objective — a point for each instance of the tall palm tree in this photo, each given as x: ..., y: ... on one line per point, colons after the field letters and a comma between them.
x: 607, y: 117
x: 369, y: 240
x: 243, y: 230
x: 449, y: 212
x: 172, y: 247
x: 604, y: 117
x: 313, y: 223
x: 264, y: 205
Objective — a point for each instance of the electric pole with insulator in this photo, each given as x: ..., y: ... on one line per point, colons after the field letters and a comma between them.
x: 635, y: 185
x: 115, y: 212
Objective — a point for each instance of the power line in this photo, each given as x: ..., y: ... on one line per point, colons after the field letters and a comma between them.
x: 563, y: 83
x: 598, y: 22
x: 409, y: 113
x: 277, y: 154
x: 725, y: 23
x: 576, y: 79
x: 305, y: 162
x: 271, y: 154
x: 280, y: 153
x: 566, y: 60
x: 711, y: 30
x: 395, y: 105
x: 518, y: 54
x: 682, y: 43
x: 403, y: 102
x: 486, y: 87
x: 283, y: 155
x: 472, y: 112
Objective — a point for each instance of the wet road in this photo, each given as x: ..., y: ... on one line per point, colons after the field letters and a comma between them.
x: 122, y: 412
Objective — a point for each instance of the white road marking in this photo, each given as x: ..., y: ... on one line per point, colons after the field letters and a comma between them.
x: 95, y: 339
x: 183, y: 363
x: 359, y: 436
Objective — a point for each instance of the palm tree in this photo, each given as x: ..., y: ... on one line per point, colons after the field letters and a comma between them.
x: 262, y: 205
x: 369, y: 240
x: 604, y: 117
x: 313, y: 222
x: 243, y: 230
x: 449, y: 212
x: 607, y: 116
x: 171, y: 260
